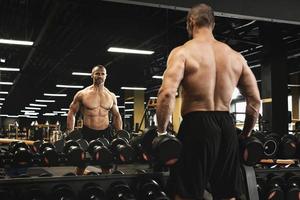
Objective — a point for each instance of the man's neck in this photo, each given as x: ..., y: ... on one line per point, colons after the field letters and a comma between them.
x: 203, y: 33
x: 98, y: 88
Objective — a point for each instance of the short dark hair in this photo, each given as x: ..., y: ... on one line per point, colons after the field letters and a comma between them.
x: 98, y: 66
x: 202, y: 14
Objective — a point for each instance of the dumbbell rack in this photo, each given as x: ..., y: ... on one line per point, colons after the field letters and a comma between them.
x: 18, y: 187
x: 251, y: 174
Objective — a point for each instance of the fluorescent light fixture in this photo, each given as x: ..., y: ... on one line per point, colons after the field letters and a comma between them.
x: 1, y: 104
x: 27, y: 111
x: 64, y: 115
x: 9, y: 69
x: 133, y: 51
x: 129, y: 102
x: 293, y: 85
x: 17, y: 42
x: 61, y: 112
x: 254, y: 66
x: 12, y: 116
x: 55, y: 95
x: 32, y: 117
x: 153, y: 97
x: 133, y: 88
x: 129, y: 110
x: 66, y: 109
x: 44, y: 101
x: 2, y: 99
x: 6, y: 83
x: 69, y: 86
x: 157, y: 77
x: 2, y: 60
x: 3, y: 115
x: 3, y: 92
x: 122, y: 107
x: 38, y: 105
x: 117, y: 96
x: 22, y: 115
x: 32, y: 108
x: 81, y: 74
x: 31, y: 113
x: 49, y: 114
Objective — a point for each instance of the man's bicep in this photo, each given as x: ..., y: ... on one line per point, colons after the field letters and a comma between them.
x: 75, y: 104
x: 247, y: 83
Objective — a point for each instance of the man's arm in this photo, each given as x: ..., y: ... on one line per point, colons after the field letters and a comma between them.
x: 248, y: 88
x: 167, y: 92
x: 116, y: 117
x: 74, y: 107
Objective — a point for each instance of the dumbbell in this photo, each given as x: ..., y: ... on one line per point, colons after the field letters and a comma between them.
x: 120, y: 191
x: 21, y: 154
x: 274, y: 187
x: 74, y: 153
x: 251, y: 150
x: 92, y: 191
x: 135, y: 142
x: 149, y: 189
x: 292, y: 186
x: 62, y: 191
x: 100, y: 154
x: 288, y: 147
x: 122, y: 150
x: 49, y: 154
x: 164, y: 149
x: 123, y: 134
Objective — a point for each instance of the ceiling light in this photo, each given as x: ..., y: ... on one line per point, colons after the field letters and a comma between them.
x: 61, y: 112
x: 117, y: 96
x: 3, y: 92
x: 32, y: 117
x: 254, y: 66
x: 157, y: 77
x: 3, y: 115
x: 1, y: 104
x: 121, y: 107
x: 129, y: 110
x: 133, y: 88
x: 153, y: 97
x: 17, y: 42
x: 66, y: 109
x: 44, y: 101
x: 9, y: 69
x: 27, y: 111
x: 38, y: 105
x: 2, y: 99
x: 32, y: 108
x: 64, y: 115
x: 293, y: 85
x: 31, y: 113
x: 6, y: 83
x: 2, y: 60
x: 129, y: 102
x: 81, y: 74
x: 12, y: 116
x: 69, y: 86
x: 49, y: 114
x: 55, y: 95
x: 133, y: 51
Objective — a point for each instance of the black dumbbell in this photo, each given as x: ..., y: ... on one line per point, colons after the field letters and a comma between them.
x: 119, y: 191
x: 288, y: 147
x: 274, y: 187
x: 123, y: 134
x: 74, y: 153
x: 62, y: 191
x: 251, y: 150
x: 21, y: 154
x: 149, y: 189
x: 122, y: 150
x: 92, y: 191
x: 292, y: 186
x: 136, y: 143
x: 164, y: 149
x: 100, y: 154
x: 49, y: 154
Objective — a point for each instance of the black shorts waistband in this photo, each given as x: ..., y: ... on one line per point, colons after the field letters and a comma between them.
x: 211, y: 112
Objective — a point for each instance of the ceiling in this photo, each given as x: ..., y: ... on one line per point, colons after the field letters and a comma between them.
x: 73, y: 36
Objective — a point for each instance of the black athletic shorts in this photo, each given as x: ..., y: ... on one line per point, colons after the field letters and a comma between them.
x: 91, y: 134
x: 210, y: 154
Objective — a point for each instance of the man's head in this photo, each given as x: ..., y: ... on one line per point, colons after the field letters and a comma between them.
x: 200, y: 16
x: 98, y: 74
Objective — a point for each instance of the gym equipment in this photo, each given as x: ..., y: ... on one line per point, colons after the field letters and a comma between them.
x: 288, y: 147
x: 274, y: 187
x: 74, y: 153
x: 62, y: 191
x: 164, y: 149
x: 119, y: 191
x: 123, y: 134
x: 100, y: 154
x: 270, y: 142
x: 49, y: 154
x: 92, y: 191
x: 21, y: 154
x: 122, y: 150
x: 149, y: 189
x: 251, y: 150
x: 292, y: 186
